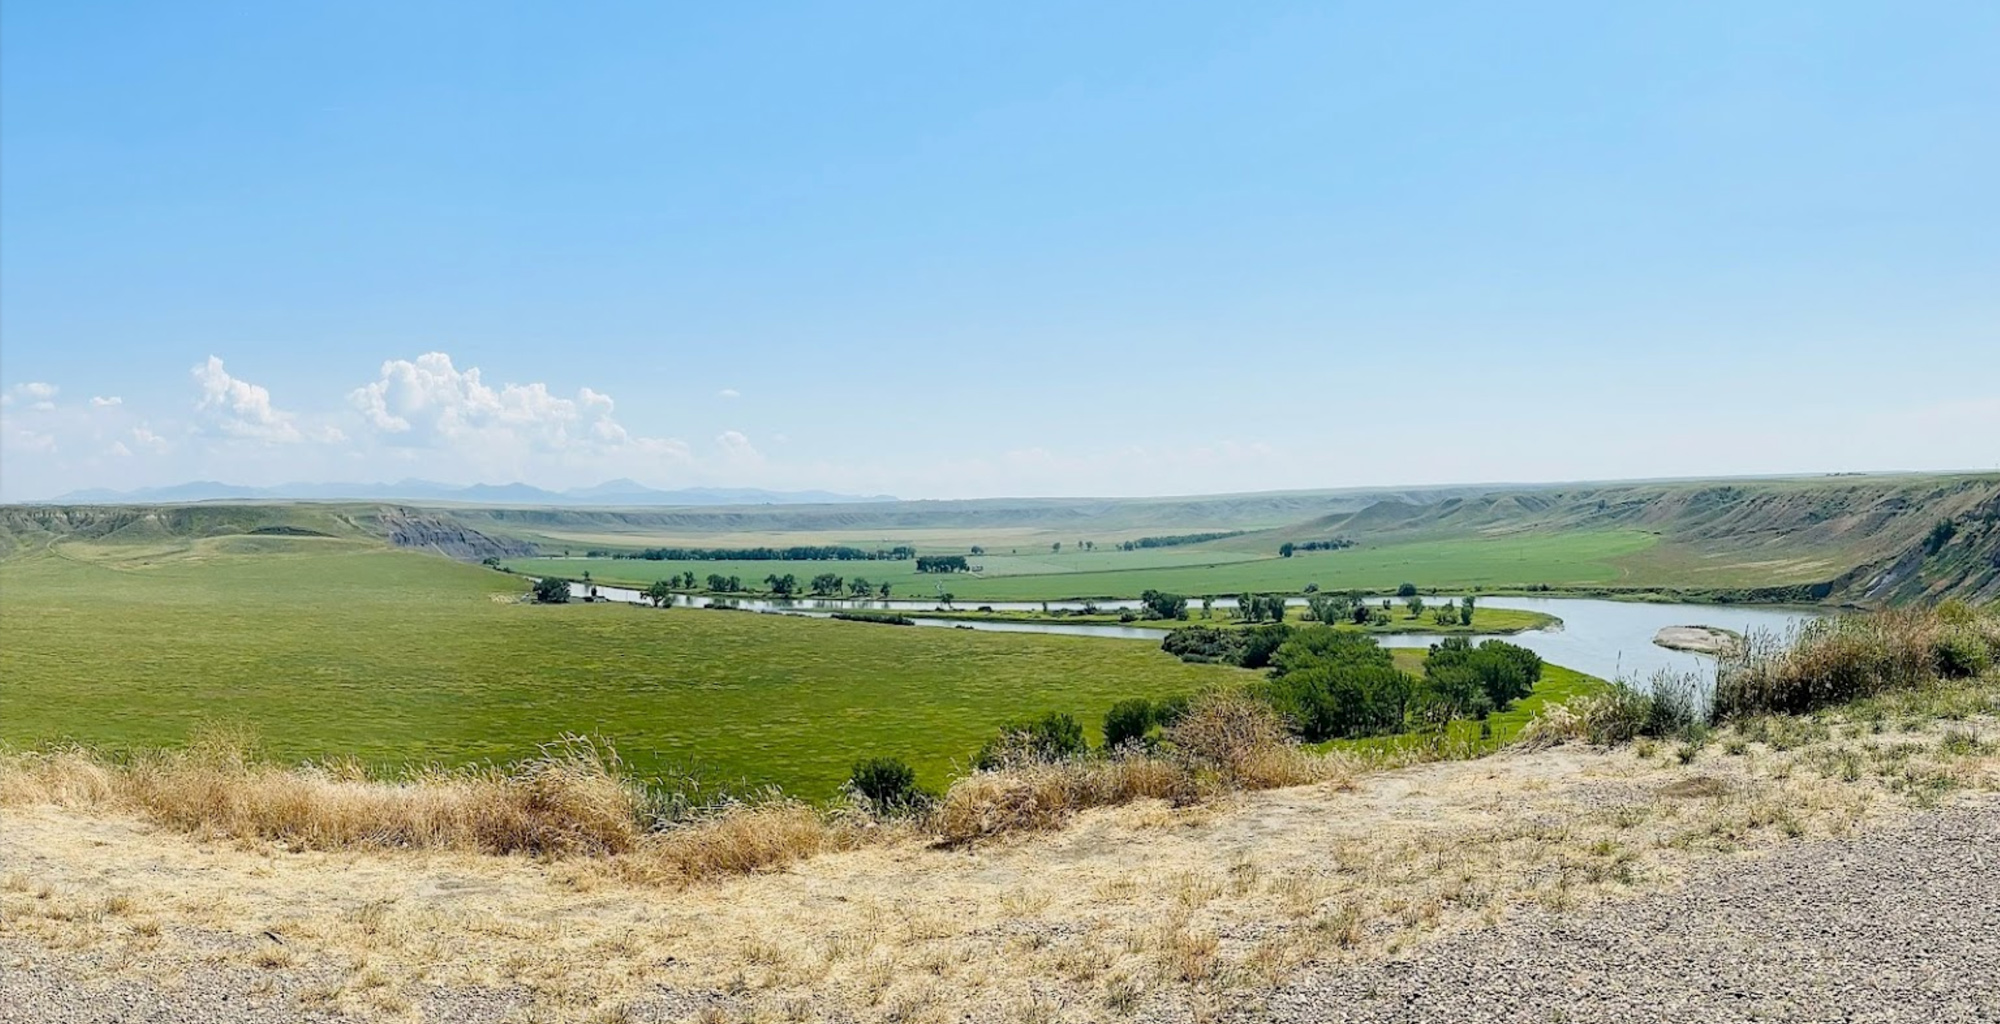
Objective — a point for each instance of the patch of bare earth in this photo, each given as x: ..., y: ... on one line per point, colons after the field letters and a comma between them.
x: 1511, y: 887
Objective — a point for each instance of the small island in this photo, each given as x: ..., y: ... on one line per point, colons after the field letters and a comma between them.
x: 1710, y: 640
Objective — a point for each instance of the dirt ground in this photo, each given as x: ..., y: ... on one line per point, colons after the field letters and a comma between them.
x: 1140, y: 912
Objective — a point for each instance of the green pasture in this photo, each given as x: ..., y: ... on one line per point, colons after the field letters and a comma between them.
x: 332, y: 647
x: 1518, y: 560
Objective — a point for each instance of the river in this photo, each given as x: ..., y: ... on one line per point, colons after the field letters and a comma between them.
x: 1607, y: 639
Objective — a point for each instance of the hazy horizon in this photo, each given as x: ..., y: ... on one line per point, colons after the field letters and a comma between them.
x: 293, y: 490
x: 1039, y: 251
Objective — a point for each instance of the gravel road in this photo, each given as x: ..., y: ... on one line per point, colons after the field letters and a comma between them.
x: 1896, y: 925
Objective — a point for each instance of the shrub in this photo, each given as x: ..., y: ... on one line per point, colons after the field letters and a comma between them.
x: 1605, y: 719
x: 1503, y: 672
x: 1170, y: 710
x: 1829, y: 661
x: 1674, y: 706
x: 1960, y: 652
x: 1453, y: 692
x: 1204, y: 644
x: 888, y: 785
x: 1332, y: 699
x: 1669, y: 707
x: 551, y: 590
x: 1260, y: 643
x: 1242, y: 742
x: 1406, y: 590
x: 1160, y: 605
x: 1053, y: 737
x: 1128, y: 721
x: 880, y: 618
x: 1307, y: 648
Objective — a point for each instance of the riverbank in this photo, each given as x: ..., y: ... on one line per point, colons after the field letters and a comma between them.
x: 1485, y: 621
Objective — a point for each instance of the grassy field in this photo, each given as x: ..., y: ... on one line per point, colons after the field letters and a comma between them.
x: 329, y: 647
x: 1558, y: 559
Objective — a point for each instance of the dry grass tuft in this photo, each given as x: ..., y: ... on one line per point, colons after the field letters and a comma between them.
x: 569, y: 800
x: 740, y: 840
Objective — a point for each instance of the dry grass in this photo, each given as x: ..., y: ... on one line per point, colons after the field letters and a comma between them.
x: 1128, y: 911
x: 1853, y: 657
x: 570, y: 800
x: 574, y: 801
x: 738, y: 841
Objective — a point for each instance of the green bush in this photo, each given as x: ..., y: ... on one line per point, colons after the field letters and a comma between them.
x: 889, y: 786
x: 1340, y: 699
x: 1168, y: 711
x: 1054, y: 737
x: 1454, y: 692
x: 1204, y: 644
x: 550, y: 590
x: 1305, y: 648
x: 1249, y: 647
x: 1504, y: 672
x: 1960, y: 653
x: 1326, y: 683
x: 1128, y: 721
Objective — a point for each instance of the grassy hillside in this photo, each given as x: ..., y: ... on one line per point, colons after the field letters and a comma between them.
x: 176, y: 528
x: 1838, y: 538
x: 1842, y: 534
x: 944, y: 525
x: 337, y: 645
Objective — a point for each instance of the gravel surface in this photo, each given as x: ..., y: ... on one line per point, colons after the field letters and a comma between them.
x: 1901, y: 924
x: 1896, y: 925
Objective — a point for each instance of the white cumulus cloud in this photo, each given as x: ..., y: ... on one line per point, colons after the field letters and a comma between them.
x: 39, y: 394
x: 429, y: 402
x: 737, y: 449
x: 103, y: 402
x: 149, y: 440
x: 237, y: 408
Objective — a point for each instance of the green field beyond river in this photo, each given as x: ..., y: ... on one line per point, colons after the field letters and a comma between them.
x: 1557, y: 559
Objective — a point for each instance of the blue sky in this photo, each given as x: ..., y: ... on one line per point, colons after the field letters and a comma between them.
x: 944, y: 251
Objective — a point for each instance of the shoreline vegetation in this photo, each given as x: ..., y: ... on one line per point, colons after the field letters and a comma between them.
x: 1485, y: 621
x: 1785, y: 596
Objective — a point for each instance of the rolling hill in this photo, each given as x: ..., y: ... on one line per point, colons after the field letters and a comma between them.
x: 1866, y: 539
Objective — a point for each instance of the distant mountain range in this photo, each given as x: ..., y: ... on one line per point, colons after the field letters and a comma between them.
x: 611, y: 492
